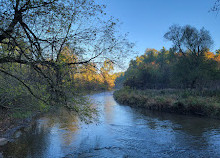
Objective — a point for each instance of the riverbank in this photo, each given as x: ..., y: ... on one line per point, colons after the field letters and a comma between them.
x: 203, y: 103
x: 11, y: 126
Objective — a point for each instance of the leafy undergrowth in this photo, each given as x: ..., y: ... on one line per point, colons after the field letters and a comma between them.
x: 203, y: 103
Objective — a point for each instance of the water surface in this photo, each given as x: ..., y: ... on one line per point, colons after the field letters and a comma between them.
x: 121, y: 132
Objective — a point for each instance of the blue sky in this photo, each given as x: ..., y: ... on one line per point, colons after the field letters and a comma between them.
x: 148, y: 20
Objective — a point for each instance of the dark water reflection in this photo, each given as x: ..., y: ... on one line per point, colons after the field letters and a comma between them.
x: 121, y: 132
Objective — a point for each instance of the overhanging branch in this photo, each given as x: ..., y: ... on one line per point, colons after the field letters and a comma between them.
x: 28, y: 88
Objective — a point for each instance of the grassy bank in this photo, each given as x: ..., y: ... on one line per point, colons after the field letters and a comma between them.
x: 203, y: 103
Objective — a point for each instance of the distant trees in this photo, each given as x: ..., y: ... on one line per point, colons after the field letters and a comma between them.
x: 151, y: 70
x: 189, y: 64
x: 89, y: 78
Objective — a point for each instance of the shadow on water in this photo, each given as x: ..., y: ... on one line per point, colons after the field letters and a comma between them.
x: 192, y: 125
x: 191, y: 131
x: 122, y: 131
x: 44, y: 137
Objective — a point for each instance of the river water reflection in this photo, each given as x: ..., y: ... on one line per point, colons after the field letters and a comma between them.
x: 121, y: 132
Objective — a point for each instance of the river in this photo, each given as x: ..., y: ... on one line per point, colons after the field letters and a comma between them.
x: 121, y: 131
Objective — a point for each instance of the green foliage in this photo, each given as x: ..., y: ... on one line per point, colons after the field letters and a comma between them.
x: 21, y: 115
x: 166, y: 69
x: 43, y: 107
x: 150, y: 70
x: 83, y: 108
x: 18, y: 101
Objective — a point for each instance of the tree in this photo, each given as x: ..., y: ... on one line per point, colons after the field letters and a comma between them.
x: 36, y: 32
x: 189, y: 39
x: 216, y: 6
x: 193, y: 44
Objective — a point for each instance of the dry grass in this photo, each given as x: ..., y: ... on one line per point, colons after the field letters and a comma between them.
x: 202, y: 103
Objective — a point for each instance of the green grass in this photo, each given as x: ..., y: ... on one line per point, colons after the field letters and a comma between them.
x: 203, y: 103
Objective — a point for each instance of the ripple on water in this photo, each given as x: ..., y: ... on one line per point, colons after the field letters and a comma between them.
x: 122, y: 132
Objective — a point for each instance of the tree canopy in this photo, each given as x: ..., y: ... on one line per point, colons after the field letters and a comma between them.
x: 188, y: 38
x: 36, y: 33
x: 52, y: 50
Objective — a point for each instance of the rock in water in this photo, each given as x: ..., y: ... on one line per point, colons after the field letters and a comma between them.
x: 3, y: 141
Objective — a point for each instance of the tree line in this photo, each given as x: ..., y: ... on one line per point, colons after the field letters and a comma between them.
x: 188, y: 65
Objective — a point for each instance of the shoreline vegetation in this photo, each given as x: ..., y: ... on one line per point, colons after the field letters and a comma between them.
x: 188, y: 102
x: 184, y: 79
